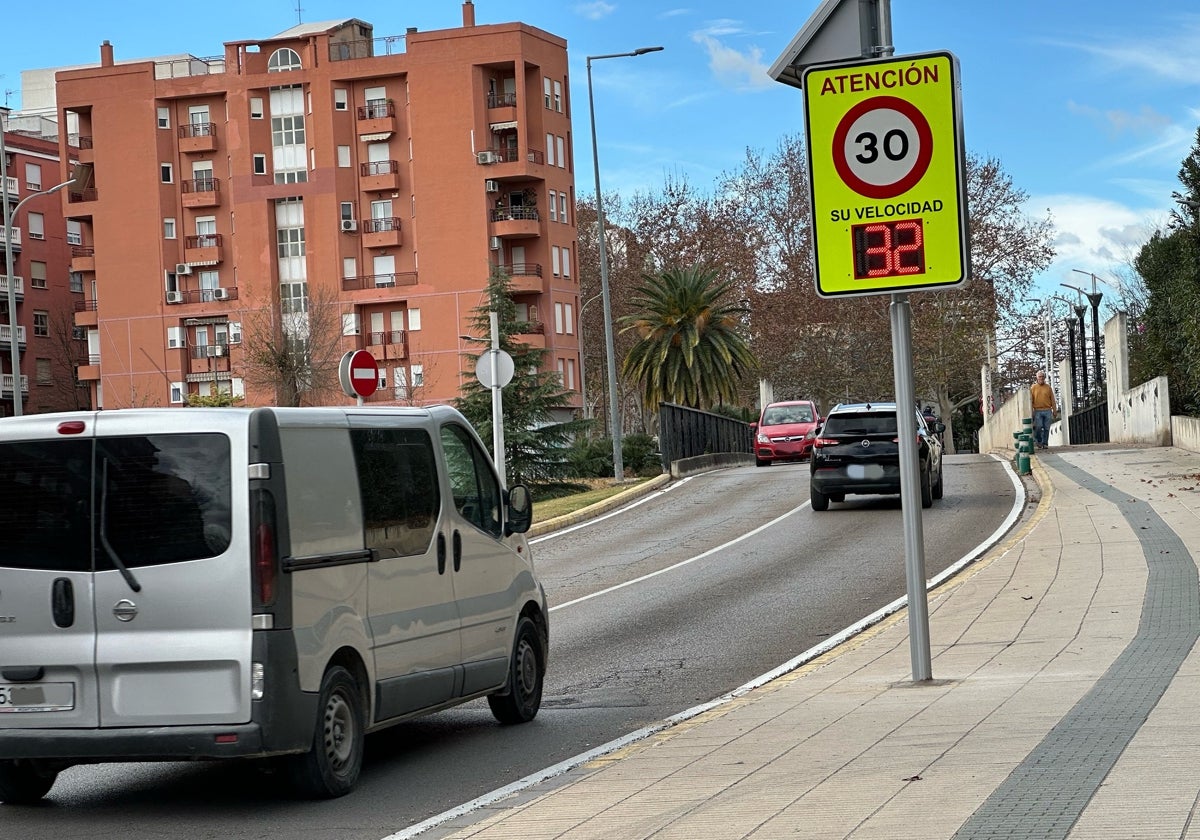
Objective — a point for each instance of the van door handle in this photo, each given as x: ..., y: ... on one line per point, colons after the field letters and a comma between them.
x: 457, y: 550
x: 441, y: 551
x: 62, y: 602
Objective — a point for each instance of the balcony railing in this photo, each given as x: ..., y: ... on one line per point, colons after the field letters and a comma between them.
x: 209, y: 351
x: 203, y: 295
x: 85, y: 141
x: 501, y: 100
x: 532, y: 328
x: 200, y: 185
x: 366, y: 48
x: 6, y: 384
x: 379, y: 167
x: 82, y: 251
x: 14, y: 236
x: 521, y: 269
x: 380, y: 225
x: 204, y: 129
x: 205, y: 240
x: 376, y: 110
x: 85, y: 305
x: 508, y: 214
x: 507, y: 155
x: 374, y: 339
x: 379, y: 281
x: 76, y: 196
x: 6, y: 334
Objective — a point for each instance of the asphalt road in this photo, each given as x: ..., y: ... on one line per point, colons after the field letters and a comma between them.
x: 670, y: 603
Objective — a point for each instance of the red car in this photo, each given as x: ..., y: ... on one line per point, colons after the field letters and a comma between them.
x: 785, y: 432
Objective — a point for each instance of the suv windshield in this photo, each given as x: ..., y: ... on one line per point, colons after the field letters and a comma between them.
x: 861, y: 423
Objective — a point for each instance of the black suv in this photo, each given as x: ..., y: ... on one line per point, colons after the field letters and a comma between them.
x: 857, y: 451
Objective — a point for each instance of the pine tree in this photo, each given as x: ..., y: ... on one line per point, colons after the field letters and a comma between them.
x: 536, y: 439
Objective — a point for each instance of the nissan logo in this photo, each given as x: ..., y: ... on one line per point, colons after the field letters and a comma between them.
x: 866, y: 443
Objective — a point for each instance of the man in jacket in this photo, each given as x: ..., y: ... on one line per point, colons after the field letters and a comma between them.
x: 1044, y: 407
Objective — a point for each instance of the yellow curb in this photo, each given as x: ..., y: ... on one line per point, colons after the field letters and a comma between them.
x: 604, y: 506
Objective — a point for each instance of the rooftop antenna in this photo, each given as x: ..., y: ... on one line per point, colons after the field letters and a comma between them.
x: 299, y: 19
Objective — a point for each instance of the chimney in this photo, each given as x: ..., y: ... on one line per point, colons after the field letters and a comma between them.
x: 468, y: 13
x: 106, y: 54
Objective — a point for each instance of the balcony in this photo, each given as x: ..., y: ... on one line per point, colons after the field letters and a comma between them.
x: 512, y: 222
x: 18, y: 284
x: 201, y: 192
x: 83, y: 258
x: 14, y: 236
x: 6, y: 335
x: 82, y: 196
x: 379, y: 281
x: 534, y: 334
x: 87, y: 153
x: 502, y: 108
x: 197, y: 137
x: 85, y: 313
x: 89, y: 372
x: 206, y: 249
x: 376, y: 120
x: 514, y: 155
x: 389, y: 345
x: 524, y: 277
x: 381, y: 233
x: 186, y: 296
x: 6, y: 384
x: 380, y: 176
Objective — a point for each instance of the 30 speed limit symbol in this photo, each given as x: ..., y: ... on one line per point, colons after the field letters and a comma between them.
x: 886, y: 174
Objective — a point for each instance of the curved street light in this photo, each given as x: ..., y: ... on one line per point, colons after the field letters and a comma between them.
x: 610, y: 356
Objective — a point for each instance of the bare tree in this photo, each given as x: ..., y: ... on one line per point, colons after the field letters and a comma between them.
x: 66, y: 350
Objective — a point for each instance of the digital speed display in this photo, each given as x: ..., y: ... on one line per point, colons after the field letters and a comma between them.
x: 888, y: 249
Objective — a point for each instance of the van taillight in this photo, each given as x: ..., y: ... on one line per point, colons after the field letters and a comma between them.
x: 264, y: 560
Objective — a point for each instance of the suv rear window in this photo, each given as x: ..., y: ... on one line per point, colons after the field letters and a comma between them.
x: 860, y: 423
x: 165, y: 499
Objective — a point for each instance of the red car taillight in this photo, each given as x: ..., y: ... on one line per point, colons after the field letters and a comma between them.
x: 265, y: 560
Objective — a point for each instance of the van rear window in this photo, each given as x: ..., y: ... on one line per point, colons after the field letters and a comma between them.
x: 157, y: 499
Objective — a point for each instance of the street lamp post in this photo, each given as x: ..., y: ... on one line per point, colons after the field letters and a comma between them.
x: 10, y: 213
x: 610, y: 355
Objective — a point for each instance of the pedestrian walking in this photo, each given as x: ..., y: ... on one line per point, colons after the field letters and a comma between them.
x: 1044, y: 407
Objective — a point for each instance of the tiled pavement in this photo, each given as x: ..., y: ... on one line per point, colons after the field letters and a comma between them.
x: 1063, y: 704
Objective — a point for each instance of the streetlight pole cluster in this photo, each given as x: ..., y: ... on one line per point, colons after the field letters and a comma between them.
x: 614, y: 411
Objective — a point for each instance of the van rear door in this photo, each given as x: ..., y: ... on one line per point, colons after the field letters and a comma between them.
x: 172, y: 579
x: 47, y: 627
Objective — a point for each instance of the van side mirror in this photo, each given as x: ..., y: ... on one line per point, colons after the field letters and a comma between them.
x: 520, y: 510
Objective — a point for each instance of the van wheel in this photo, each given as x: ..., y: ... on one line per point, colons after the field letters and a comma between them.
x: 23, y: 782
x: 939, y: 486
x: 331, y: 766
x: 522, y: 697
x: 926, y: 490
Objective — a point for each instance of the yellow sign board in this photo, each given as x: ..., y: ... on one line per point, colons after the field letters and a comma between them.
x: 886, y: 174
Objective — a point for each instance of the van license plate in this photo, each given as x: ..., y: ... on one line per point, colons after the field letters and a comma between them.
x: 37, y: 697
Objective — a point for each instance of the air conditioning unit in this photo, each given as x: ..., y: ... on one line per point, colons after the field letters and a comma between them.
x: 183, y: 268
x: 495, y: 243
x: 215, y: 350
x: 486, y: 157
x: 174, y: 297
x: 349, y: 225
x: 220, y: 294
x: 491, y: 186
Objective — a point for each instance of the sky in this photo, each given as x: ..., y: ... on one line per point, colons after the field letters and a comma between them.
x: 1089, y: 105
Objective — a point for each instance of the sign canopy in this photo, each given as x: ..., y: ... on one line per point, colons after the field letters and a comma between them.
x: 886, y: 174
x: 839, y: 30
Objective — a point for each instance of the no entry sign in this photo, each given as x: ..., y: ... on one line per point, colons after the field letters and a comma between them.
x: 359, y: 374
x: 886, y: 174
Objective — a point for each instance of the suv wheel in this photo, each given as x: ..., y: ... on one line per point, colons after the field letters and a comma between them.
x: 939, y: 486
x: 926, y: 489
x: 818, y: 499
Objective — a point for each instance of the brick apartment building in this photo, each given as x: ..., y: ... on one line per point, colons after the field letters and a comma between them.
x: 50, y: 347
x: 324, y: 186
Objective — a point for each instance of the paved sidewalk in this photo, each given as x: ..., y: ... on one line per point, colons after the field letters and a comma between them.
x: 1062, y: 705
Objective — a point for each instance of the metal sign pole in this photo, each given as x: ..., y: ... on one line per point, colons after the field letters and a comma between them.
x: 497, y: 402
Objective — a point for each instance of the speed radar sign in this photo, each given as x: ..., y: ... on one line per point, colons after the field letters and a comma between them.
x: 886, y: 175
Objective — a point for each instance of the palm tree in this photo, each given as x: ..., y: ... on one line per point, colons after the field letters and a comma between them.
x: 691, y: 347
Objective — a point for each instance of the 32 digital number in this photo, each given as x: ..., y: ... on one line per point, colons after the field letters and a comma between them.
x: 888, y: 249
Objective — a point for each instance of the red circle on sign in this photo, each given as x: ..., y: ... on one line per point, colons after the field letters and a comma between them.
x: 364, y: 373
x: 920, y: 164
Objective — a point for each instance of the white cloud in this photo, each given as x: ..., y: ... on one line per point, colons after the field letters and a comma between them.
x: 738, y: 70
x: 595, y: 10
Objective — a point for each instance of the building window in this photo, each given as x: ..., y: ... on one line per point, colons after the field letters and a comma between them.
x: 168, y: 228
x: 347, y: 211
x: 566, y: 262
x: 166, y: 173
x: 341, y: 99
x: 414, y: 320
x: 549, y: 149
x: 349, y: 267
x: 43, y: 372
x: 284, y: 59
x: 33, y: 176
x: 37, y: 274
x: 554, y: 260
x: 290, y: 241
x: 176, y: 338
x: 75, y: 281
x: 558, y: 96
x: 562, y: 208
x: 256, y: 107
x: 177, y: 393
x: 562, y: 156
x: 343, y: 156
x: 164, y: 117
x: 36, y: 223
x: 259, y: 164
x: 74, y: 232
x: 558, y: 317
x: 288, y: 137
x: 41, y: 323
x: 418, y: 376
x: 553, y: 206
x: 546, y: 91
x: 569, y: 318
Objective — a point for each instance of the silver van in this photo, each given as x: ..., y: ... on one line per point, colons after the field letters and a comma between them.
x: 224, y: 582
